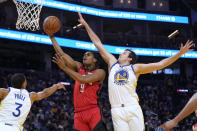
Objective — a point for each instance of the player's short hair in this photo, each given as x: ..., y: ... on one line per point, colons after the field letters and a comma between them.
x: 133, y: 56
x: 17, y: 80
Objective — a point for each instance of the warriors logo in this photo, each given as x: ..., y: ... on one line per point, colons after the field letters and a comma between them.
x: 121, y: 77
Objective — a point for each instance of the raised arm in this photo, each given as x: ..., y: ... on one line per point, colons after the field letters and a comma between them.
x: 74, y: 65
x: 98, y: 75
x: 190, y: 107
x: 45, y: 93
x: 147, y: 68
x: 107, y: 57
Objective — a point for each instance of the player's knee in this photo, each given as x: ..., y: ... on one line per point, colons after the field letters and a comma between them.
x: 100, y: 126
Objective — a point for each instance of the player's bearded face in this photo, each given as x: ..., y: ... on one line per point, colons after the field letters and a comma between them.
x: 88, y: 58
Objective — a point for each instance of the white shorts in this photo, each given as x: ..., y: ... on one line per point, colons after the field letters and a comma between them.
x: 129, y: 118
x: 8, y: 127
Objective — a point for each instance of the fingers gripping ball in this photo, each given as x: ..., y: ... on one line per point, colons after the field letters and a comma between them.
x: 51, y: 25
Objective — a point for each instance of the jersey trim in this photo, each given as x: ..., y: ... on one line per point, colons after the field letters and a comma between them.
x: 9, y: 89
x: 1, y: 104
x: 113, y: 65
x: 132, y: 69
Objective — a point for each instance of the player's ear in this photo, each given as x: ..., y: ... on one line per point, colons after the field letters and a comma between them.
x: 130, y: 59
x: 95, y: 60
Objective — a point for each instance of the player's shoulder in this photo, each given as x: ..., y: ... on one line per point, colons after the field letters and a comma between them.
x: 32, y: 94
x: 3, y: 92
x: 4, y: 89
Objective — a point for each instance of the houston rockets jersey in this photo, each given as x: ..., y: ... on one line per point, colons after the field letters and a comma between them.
x: 86, y: 95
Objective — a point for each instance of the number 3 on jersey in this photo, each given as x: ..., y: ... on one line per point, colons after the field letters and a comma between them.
x: 17, y: 109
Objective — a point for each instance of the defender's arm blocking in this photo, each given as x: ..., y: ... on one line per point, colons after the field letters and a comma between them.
x: 108, y: 58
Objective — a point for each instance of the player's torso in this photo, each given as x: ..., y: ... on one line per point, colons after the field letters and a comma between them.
x: 86, y: 94
x: 15, y: 107
x: 122, y: 84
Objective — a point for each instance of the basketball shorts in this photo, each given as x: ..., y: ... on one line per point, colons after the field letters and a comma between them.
x: 9, y: 127
x: 128, y: 118
x: 89, y: 120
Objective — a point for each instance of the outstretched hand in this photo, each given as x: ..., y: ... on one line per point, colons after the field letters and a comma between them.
x: 81, y: 19
x: 60, y: 86
x: 187, y: 47
x: 59, y: 61
x: 168, y: 125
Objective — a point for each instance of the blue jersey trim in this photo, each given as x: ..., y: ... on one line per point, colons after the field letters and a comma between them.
x: 132, y: 69
x: 113, y: 65
x: 9, y: 89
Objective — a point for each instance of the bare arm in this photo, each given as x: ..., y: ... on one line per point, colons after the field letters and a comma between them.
x: 190, y: 107
x: 108, y: 58
x: 98, y: 75
x: 3, y: 93
x: 45, y: 93
x: 74, y: 65
x: 147, y: 68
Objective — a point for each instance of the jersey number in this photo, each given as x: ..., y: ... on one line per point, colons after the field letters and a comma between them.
x: 17, y: 109
x: 82, y: 88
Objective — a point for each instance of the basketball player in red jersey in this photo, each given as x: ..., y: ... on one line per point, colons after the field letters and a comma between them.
x: 88, y: 82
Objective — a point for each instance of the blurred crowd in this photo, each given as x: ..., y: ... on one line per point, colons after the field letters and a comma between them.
x: 158, y: 96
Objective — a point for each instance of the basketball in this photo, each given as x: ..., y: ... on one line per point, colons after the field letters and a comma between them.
x: 51, y: 25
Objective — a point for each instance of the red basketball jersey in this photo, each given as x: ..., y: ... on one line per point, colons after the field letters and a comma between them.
x: 85, y: 95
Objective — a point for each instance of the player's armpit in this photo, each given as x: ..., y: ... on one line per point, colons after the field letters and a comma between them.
x: 107, y: 57
x: 3, y: 93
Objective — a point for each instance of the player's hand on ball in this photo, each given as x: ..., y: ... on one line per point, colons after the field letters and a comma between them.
x: 81, y: 19
x: 59, y: 61
x: 48, y: 32
x: 168, y: 125
x: 187, y: 47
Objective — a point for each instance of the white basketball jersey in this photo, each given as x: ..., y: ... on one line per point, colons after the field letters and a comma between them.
x: 15, y: 107
x: 122, y: 84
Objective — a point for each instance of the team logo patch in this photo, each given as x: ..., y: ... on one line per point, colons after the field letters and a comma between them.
x: 121, y: 77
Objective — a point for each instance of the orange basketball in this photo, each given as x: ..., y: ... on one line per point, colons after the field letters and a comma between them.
x: 51, y: 25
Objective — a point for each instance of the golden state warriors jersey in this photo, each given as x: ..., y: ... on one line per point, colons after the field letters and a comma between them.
x: 122, y: 84
x: 15, y: 107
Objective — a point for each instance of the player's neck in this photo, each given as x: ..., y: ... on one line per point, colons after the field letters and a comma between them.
x: 123, y: 63
x: 89, y: 67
